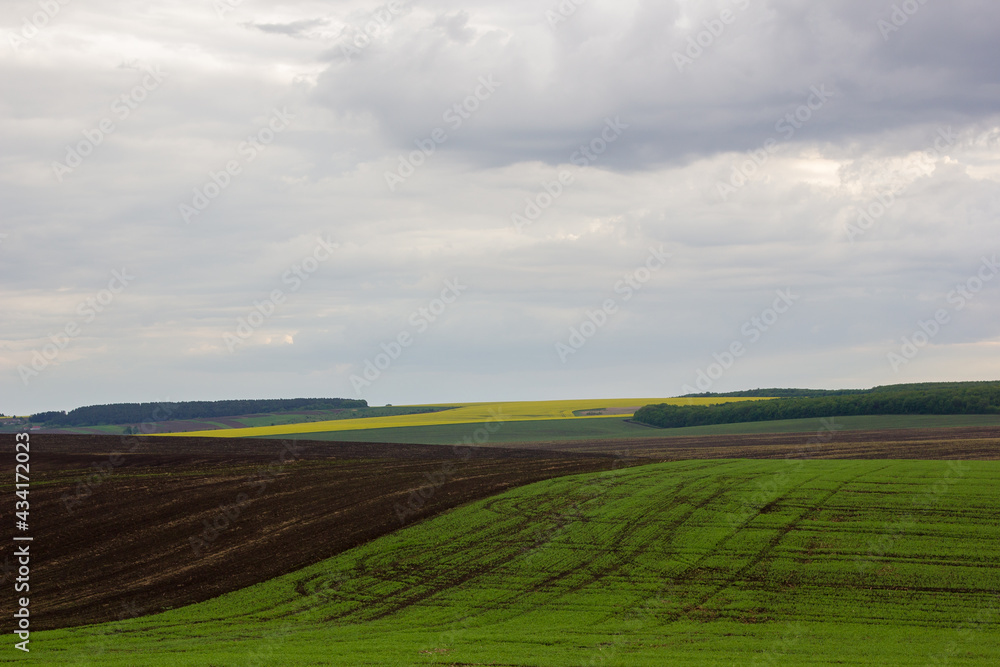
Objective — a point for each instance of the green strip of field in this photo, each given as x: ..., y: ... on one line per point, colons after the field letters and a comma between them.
x: 683, y: 563
x: 610, y: 428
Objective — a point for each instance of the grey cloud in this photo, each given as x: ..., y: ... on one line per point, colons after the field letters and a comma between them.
x: 294, y: 29
x: 456, y: 26
x: 760, y: 69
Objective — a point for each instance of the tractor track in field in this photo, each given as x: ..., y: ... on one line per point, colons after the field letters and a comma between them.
x: 740, y: 574
x: 693, y: 567
x: 621, y: 566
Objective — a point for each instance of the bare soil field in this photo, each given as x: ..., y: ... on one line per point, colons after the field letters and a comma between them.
x: 965, y: 443
x: 131, y: 526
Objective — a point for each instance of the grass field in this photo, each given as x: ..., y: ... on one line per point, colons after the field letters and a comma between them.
x: 550, y: 430
x: 690, y: 563
x: 463, y: 413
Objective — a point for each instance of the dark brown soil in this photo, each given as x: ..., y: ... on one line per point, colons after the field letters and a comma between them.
x: 127, y: 536
x: 964, y: 443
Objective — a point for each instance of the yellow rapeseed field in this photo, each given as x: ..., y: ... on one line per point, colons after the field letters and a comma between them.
x: 463, y: 413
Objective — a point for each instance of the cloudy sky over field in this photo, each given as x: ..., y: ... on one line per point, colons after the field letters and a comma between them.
x: 443, y: 201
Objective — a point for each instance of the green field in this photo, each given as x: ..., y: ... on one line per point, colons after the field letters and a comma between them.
x: 608, y: 428
x: 691, y: 563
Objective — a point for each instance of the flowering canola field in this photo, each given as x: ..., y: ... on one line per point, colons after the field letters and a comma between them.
x: 462, y: 413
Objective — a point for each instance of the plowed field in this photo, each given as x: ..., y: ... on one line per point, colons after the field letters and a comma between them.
x: 121, y: 533
x: 966, y: 443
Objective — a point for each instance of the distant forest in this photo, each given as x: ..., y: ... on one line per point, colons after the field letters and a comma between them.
x: 136, y: 413
x: 782, y: 393
x: 938, y: 398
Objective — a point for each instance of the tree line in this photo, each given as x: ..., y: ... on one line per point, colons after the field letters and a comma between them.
x: 778, y: 393
x: 958, y: 398
x: 136, y: 413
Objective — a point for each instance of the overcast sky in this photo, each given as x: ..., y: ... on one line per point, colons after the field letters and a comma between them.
x: 592, y: 201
